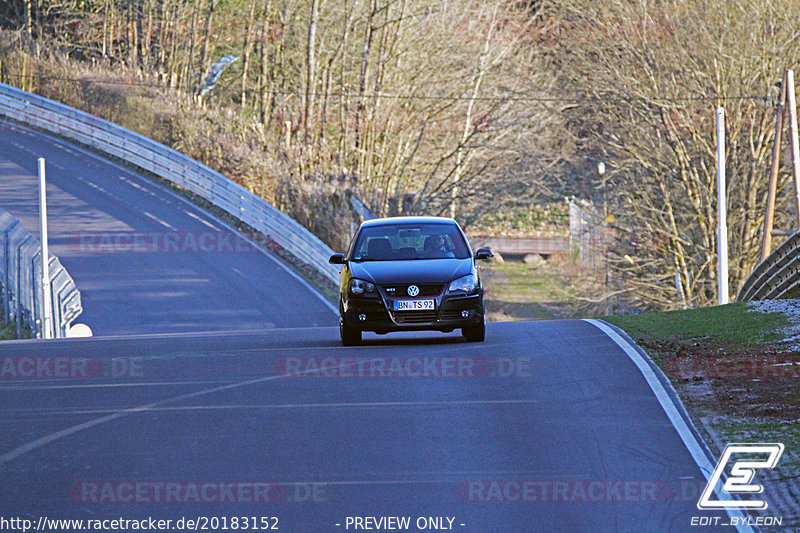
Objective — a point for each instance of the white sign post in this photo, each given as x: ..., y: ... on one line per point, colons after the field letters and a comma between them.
x: 46, y: 298
x: 722, y: 212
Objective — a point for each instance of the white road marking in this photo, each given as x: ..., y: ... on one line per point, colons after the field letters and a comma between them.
x: 687, y: 436
x: 201, y: 220
x: 153, y: 217
x: 343, y: 405
x: 22, y: 385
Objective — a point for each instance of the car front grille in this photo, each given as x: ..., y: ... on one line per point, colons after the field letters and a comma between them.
x: 426, y: 290
x: 414, y: 317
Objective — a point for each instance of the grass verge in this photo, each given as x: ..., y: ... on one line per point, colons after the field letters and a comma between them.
x: 667, y: 332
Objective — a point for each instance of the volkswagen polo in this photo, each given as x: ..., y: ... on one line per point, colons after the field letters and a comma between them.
x: 410, y: 274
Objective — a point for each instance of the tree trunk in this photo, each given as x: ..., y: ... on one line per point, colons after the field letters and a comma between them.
x: 247, y: 49
x: 29, y: 18
x: 106, y: 15
x: 362, y: 82
x: 311, y: 67
x: 344, y: 101
x: 206, y: 41
x: 171, y: 61
x: 188, y: 72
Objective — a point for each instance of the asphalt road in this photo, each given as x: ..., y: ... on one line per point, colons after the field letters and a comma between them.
x: 547, y: 426
x: 145, y: 260
x: 207, y: 398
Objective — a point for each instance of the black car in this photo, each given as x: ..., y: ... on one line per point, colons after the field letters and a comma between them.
x: 407, y: 274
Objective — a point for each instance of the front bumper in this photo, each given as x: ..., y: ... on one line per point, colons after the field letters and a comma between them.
x: 373, y: 314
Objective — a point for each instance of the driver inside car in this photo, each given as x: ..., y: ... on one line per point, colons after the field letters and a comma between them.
x: 436, y: 247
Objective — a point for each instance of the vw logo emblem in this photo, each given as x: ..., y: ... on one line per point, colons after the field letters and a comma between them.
x: 413, y: 290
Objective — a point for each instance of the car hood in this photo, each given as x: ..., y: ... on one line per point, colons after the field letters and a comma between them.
x: 413, y: 271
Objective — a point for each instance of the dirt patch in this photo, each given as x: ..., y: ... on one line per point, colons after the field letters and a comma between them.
x: 734, y: 380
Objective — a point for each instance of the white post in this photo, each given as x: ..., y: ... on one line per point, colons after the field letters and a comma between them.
x: 722, y: 212
x: 46, y: 299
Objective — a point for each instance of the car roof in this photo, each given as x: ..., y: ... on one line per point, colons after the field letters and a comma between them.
x: 407, y: 220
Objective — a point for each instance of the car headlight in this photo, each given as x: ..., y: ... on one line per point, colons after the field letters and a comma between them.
x: 463, y: 285
x: 358, y: 286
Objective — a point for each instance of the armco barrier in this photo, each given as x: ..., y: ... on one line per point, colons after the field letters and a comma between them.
x: 111, y: 139
x: 20, y: 282
x: 776, y: 275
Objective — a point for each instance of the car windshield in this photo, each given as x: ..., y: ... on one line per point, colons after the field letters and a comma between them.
x: 392, y: 242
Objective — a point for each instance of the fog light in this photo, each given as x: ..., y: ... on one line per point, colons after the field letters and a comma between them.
x: 362, y: 317
x: 465, y: 314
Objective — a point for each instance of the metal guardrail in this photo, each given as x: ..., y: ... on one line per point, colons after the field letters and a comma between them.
x: 112, y: 139
x: 21, y: 283
x: 776, y: 275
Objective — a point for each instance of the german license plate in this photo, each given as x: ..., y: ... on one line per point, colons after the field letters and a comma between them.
x: 414, y: 305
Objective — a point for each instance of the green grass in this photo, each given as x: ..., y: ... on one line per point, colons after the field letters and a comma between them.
x: 522, y: 282
x: 519, y: 291
x: 733, y: 323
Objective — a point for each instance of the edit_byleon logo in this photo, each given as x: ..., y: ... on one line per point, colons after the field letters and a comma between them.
x: 745, y: 459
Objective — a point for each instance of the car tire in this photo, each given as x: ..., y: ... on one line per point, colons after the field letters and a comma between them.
x: 475, y: 333
x: 350, y: 336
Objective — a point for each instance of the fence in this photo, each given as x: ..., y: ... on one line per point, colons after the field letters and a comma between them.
x: 114, y: 140
x: 20, y: 282
x: 587, y: 235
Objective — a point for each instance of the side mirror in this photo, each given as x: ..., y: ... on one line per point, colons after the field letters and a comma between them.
x: 337, y: 259
x: 484, y: 253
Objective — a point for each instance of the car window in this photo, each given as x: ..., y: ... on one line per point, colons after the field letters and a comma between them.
x: 389, y: 242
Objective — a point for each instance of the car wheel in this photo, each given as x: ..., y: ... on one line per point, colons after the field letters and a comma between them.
x: 350, y: 336
x: 475, y: 333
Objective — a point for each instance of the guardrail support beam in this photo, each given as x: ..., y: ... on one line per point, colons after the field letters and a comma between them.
x: 18, y: 297
x: 6, y: 279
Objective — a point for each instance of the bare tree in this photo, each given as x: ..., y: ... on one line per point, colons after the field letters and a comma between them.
x: 646, y: 78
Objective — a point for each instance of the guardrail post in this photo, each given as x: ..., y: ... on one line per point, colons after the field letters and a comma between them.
x: 6, y: 276
x: 58, y: 330
x: 36, y: 311
x: 19, y: 284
